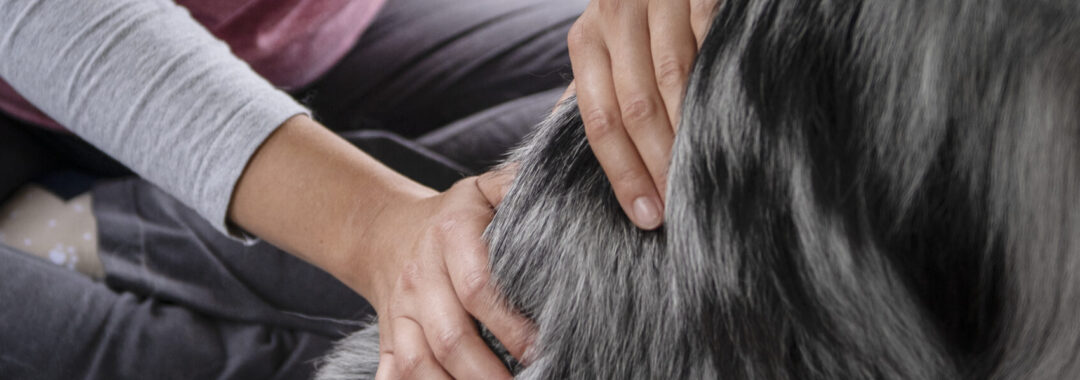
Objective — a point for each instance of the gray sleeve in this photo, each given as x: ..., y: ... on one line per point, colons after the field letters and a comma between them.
x: 144, y: 82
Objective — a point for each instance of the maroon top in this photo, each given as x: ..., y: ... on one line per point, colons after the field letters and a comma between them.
x: 288, y: 42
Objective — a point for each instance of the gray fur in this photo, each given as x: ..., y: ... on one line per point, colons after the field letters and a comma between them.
x: 355, y: 357
x: 859, y: 189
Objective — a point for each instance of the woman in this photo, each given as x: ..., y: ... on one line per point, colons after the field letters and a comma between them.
x: 147, y: 83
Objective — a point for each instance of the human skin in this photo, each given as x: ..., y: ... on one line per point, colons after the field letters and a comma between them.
x: 631, y: 59
x: 417, y: 254
x: 414, y: 253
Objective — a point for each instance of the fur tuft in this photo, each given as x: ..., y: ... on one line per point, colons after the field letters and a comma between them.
x: 859, y: 189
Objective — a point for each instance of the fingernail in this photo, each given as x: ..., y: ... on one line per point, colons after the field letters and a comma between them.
x: 647, y: 211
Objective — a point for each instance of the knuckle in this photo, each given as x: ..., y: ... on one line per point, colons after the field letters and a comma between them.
x: 447, y: 224
x: 638, y: 110
x: 410, y: 276
x: 447, y: 341
x: 408, y: 363
x: 598, y: 122
x: 473, y: 288
x: 445, y: 227
x: 452, y: 230
x: 671, y: 72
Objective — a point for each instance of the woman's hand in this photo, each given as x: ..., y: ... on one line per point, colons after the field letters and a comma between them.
x: 631, y: 60
x: 432, y: 278
x: 417, y: 255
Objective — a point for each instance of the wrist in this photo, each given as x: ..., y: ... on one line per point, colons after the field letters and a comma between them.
x: 312, y: 194
x: 372, y: 237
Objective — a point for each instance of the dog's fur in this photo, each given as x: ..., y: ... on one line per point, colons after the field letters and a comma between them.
x: 859, y: 189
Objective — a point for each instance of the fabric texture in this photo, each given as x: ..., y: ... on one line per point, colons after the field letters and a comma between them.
x: 402, y: 78
x: 58, y: 324
x: 290, y: 43
x: 62, y: 232
x: 181, y: 301
x: 144, y: 82
x: 178, y: 292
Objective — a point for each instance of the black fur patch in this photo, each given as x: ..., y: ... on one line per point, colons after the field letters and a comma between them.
x: 859, y: 189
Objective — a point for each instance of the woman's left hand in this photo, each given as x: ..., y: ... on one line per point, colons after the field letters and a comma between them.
x: 631, y: 60
x: 431, y: 278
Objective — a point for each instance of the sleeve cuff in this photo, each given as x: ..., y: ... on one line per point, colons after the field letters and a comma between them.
x: 261, y: 118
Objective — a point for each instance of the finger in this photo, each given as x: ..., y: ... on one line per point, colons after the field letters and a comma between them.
x: 454, y: 339
x: 470, y: 275
x: 412, y: 357
x: 642, y: 109
x: 701, y: 16
x: 426, y: 296
x: 673, y: 49
x: 494, y: 184
x: 612, y: 146
x: 386, y: 368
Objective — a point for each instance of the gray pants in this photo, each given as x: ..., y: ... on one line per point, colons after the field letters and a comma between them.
x: 463, y: 80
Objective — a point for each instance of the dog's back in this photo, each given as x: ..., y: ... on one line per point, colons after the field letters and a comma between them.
x: 859, y: 189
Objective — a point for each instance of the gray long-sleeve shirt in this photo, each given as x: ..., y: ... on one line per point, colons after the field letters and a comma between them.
x: 145, y: 83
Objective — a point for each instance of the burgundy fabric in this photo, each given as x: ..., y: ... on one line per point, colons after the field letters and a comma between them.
x: 288, y: 42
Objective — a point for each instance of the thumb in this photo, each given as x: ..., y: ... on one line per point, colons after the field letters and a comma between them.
x: 494, y: 184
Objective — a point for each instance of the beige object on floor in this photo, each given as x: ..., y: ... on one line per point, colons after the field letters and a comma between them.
x: 36, y: 221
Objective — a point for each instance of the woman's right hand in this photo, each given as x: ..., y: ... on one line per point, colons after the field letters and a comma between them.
x: 631, y: 60
x: 417, y: 255
x: 431, y: 279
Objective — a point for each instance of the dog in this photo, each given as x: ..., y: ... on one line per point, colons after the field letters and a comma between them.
x: 881, y: 189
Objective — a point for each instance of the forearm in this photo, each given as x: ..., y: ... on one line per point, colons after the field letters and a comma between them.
x: 313, y: 194
x: 145, y: 83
